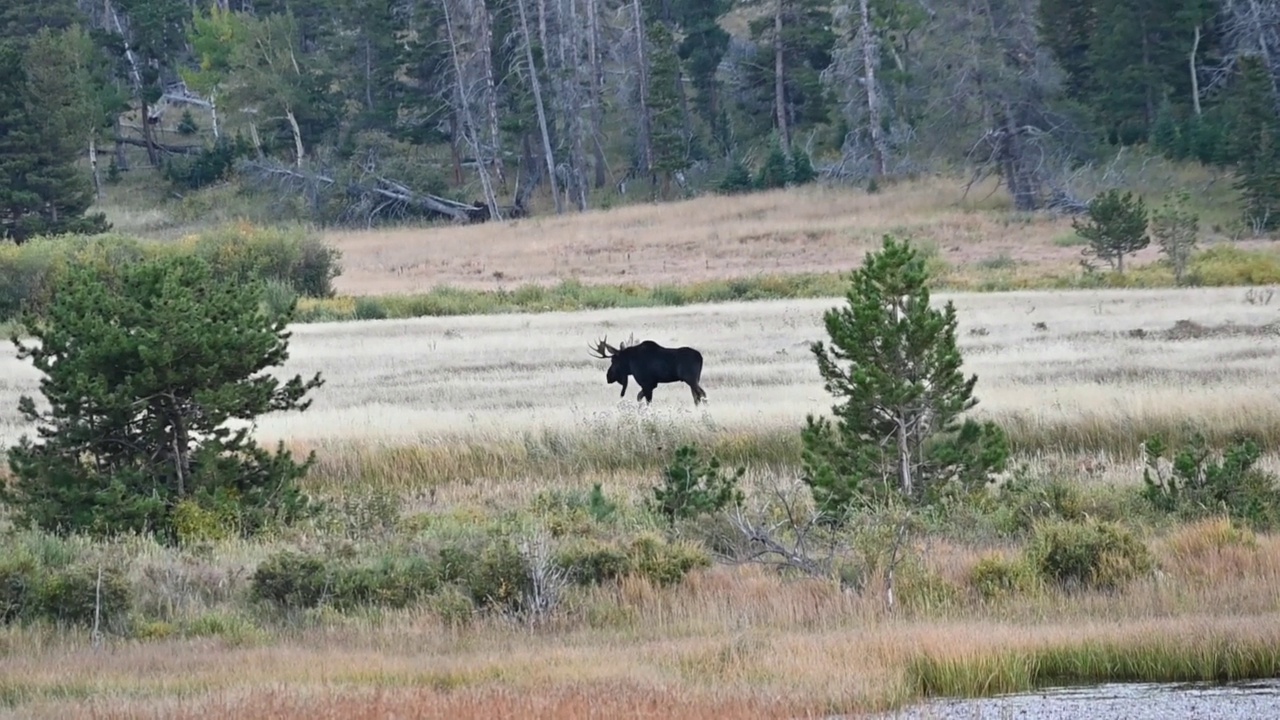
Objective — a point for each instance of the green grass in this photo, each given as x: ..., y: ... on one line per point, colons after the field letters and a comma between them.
x: 1222, y: 266
x: 1193, y: 659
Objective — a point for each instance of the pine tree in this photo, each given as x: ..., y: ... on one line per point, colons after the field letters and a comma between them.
x: 42, y: 126
x: 1256, y: 144
x: 666, y: 123
x: 1116, y: 226
x: 144, y: 369
x: 894, y: 365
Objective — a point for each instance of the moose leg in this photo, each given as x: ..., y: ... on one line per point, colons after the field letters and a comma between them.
x: 646, y: 394
x: 624, y: 388
x: 697, y: 393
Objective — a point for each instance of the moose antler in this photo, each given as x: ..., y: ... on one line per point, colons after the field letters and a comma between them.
x: 631, y: 340
x: 602, y: 349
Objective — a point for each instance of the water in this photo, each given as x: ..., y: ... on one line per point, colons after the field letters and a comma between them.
x: 1116, y: 701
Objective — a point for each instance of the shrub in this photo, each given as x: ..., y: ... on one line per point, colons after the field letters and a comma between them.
x: 33, y: 588
x: 30, y: 272
x: 1196, y: 484
x: 663, y: 563
x: 592, y: 562
x: 1175, y: 229
x: 596, y: 562
x: 995, y: 577
x: 291, y: 580
x: 692, y: 487
x: 296, y: 581
x: 1087, y: 555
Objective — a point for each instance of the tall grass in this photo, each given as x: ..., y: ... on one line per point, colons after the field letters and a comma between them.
x: 1204, y: 651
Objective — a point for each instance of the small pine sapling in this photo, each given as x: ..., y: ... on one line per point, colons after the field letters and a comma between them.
x: 1117, y: 226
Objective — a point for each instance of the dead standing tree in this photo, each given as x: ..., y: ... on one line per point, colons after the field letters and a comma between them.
x: 463, y: 98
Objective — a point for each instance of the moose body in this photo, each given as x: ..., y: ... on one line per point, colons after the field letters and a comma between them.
x: 651, y: 365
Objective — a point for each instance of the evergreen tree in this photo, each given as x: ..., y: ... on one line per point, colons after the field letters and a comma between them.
x: 666, y: 123
x: 1256, y: 144
x: 144, y: 370
x: 1116, y: 226
x: 42, y: 126
x: 894, y: 365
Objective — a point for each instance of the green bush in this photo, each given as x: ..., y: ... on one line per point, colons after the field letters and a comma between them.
x: 664, y: 563
x: 1087, y: 555
x: 35, y: 588
x: 291, y: 580
x: 692, y: 487
x: 593, y: 562
x: 296, y: 581
x: 239, y: 253
x: 1196, y: 484
x: 995, y: 577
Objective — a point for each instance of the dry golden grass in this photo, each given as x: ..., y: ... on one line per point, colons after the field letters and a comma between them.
x: 728, y: 642
x: 810, y: 229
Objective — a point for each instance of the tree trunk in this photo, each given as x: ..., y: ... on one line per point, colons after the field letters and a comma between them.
x: 642, y: 67
x: 570, y: 101
x: 779, y: 84
x: 1195, y: 80
x: 597, y: 100
x: 468, y: 123
x: 870, y: 62
x: 485, y: 35
x: 213, y: 111
x: 257, y: 141
x: 153, y: 157
x: 297, y: 135
x: 537, y: 103
x: 93, y: 166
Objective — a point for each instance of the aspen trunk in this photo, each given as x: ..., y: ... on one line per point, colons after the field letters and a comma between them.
x: 485, y: 30
x: 542, y: 113
x: 93, y: 165
x: 468, y: 123
x: 297, y: 135
x: 597, y: 102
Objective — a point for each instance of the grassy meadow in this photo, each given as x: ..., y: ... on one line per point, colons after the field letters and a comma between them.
x: 486, y: 546
x: 450, y: 427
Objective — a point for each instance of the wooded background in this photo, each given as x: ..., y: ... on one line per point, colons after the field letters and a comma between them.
x: 360, y: 112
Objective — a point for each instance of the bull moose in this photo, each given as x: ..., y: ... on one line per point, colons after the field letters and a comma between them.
x: 651, y: 365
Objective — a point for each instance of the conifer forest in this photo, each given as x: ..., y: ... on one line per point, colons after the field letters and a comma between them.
x: 363, y: 112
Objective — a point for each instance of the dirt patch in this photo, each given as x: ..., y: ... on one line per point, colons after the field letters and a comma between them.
x: 1192, y: 330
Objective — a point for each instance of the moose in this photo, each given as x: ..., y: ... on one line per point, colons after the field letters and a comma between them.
x: 651, y: 365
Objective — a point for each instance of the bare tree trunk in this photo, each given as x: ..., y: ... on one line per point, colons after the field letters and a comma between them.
x: 642, y: 67
x: 485, y: 37
x: 93, y: 165
x: 213, y: 111
x: 257, y: 141
x: 870, y: 62
x: 153, y: 156
x: 1195, y: 80
x: 468, y: 123
x: 779, y: 86
x: 537, y: 103
x: 297, y: 135
x: 597, y: 100
x: 570, y: 44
